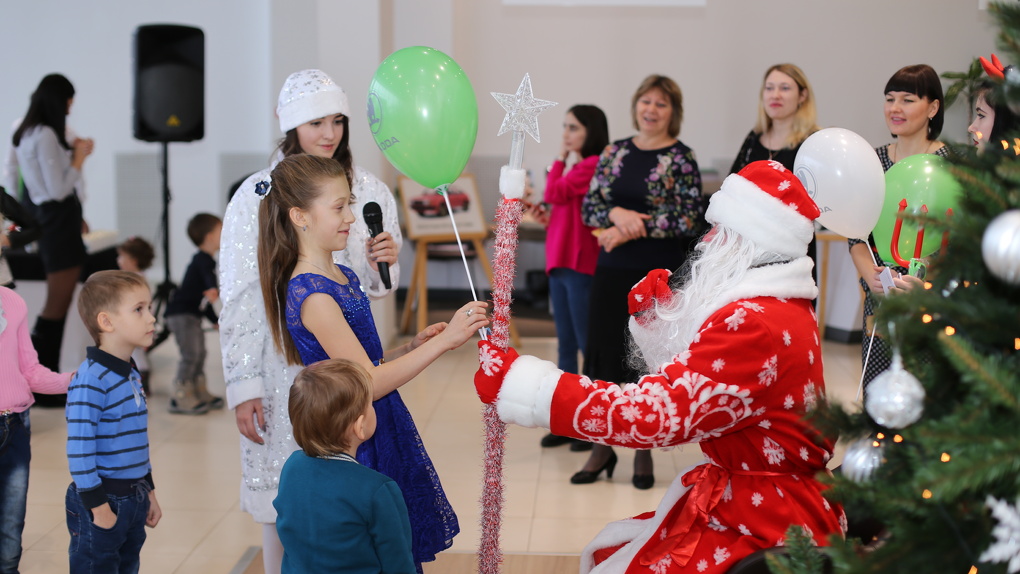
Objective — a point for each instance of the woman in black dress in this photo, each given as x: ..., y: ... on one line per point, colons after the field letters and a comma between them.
x: 786, y: 117
x: 646, y: 201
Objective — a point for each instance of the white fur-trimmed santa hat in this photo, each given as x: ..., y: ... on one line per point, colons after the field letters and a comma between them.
x: 768, y: 205
x: 309, y: 95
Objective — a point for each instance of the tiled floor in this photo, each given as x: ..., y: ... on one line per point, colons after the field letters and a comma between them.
x: 197, y: 471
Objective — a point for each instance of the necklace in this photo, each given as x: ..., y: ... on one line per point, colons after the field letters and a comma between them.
x: 768, y: 144
x: 342, y: 456
x: 326, y: 271
x: 896, y: 150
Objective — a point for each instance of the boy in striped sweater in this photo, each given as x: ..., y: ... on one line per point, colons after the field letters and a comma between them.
x: 111, y: 499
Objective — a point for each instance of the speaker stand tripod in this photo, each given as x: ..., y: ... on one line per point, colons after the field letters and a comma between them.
x: 165, y: 289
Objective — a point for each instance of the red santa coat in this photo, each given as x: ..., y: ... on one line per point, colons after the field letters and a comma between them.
x: 740, y: 391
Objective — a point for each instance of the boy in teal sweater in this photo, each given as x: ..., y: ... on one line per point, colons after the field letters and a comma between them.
x: 333, y: 514
x: 112, y: 497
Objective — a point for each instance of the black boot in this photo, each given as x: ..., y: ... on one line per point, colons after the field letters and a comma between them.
x: 47, y: 337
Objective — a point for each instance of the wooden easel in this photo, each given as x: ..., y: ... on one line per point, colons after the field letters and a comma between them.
x: 417, y: 290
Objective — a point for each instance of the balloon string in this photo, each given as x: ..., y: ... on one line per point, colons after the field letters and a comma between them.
x: 867, y: 357
x: 442, y: 189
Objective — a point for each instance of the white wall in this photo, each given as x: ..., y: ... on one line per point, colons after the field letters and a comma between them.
x: 847, y: 48
x: 574, y: 54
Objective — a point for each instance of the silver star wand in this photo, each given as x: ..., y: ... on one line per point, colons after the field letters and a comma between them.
x: 522, y: 111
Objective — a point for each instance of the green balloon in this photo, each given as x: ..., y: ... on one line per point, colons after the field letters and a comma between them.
x: 921, y: 179
x: 423, y: 115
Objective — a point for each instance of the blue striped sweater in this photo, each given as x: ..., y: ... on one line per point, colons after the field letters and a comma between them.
x: 107, y: 427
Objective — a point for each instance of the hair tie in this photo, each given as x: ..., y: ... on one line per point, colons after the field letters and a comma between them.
x: 262, y: 188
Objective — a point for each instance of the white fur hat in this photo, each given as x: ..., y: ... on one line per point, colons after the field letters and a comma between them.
x: 767, y: 204
x: 309, y: 95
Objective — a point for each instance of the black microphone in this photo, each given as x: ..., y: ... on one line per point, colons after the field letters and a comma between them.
x: 373, y: 218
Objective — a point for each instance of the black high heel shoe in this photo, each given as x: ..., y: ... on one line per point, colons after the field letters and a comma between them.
x: 590, y: 476
x: 643, y: 481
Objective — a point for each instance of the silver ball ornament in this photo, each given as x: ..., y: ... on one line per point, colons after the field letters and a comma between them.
x: 862, y: 459
x: 895, y: 398
x: 1000, y: 246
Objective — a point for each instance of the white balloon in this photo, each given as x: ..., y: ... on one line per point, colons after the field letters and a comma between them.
x: 843, y: 174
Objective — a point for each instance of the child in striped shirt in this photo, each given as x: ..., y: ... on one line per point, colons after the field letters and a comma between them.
x: 111, y: 499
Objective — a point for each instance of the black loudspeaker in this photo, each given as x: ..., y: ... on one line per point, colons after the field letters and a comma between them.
x: 169, y: 83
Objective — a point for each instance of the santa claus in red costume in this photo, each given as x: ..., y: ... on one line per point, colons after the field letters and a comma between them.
x: 734, y: 364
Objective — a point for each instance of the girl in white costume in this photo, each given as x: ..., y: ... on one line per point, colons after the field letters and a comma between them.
x: 313, y: 113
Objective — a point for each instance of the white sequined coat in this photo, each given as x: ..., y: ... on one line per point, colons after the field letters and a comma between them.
x: 252, y: 367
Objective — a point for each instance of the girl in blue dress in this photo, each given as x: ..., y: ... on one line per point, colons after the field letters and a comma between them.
x: 318, y: 310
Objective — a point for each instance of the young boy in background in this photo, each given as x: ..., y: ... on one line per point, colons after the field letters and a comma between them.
x: 333, y: 514
x: 135, y: 255
x: 112, y: 497
x: 188, y: 304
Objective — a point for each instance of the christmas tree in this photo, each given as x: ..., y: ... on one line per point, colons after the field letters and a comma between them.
x: 935, y: 455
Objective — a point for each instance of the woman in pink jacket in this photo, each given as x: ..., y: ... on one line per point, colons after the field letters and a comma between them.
x: 571, y: 250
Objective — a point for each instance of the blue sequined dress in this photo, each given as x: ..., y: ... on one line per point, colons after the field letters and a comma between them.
x: 396, y: 449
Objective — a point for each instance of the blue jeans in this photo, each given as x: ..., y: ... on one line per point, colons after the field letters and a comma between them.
x: 95, y: 550
x: 569, y: 291
x: 15, y: 454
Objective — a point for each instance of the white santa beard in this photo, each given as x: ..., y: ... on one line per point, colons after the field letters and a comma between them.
x: 729, y: 267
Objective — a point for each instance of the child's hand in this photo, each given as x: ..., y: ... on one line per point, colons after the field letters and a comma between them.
x: 426, y: 334
x: 103, y: 516
x: 155, y: 512
x: 465, y: 322
x: 211, y: 295
x: 381, y: 249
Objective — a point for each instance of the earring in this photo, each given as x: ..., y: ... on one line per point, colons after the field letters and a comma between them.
x: 304, y: 228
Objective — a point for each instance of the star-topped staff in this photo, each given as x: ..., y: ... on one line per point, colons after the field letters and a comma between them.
x: 522, y: 111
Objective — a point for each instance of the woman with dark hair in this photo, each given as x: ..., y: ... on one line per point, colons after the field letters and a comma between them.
x: 914, y: 114
x: 993, y: 120
x: 570, y: 248
x: 646, y: 201
x: 50, y: 167
x: 313, y: 112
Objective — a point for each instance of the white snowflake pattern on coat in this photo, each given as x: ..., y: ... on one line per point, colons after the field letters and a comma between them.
x: 773, y: 452
x: 721, y: 555
x: 811, y: 357
x: 787, y: 339
x: 752, y: 306
x: 804, y: 454
x: 702, y: 565
x: 662, y: 566
x: 788, y: 402
x: 744, y: 530
x: 734, y: 321
x: 810, y: 396
x: 757, y: 498
x: 769, y: 372
x: 718, y: 364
